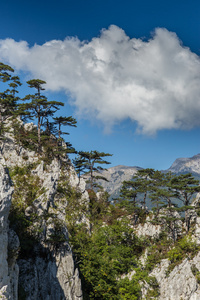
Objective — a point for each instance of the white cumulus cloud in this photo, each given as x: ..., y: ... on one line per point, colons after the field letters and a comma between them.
x: 155, y: 83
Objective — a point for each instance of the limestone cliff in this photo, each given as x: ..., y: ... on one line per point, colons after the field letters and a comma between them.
x: 181, y: 283
x: 46, y: 268
x: 178, y: 278
x: 9, y: 243
x: 37, y: 199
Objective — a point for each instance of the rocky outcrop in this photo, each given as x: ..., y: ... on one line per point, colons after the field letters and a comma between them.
x: 56, y: 277
x: 52, y: 278
x: 153, y: 227
x: 9, y: 243
x: 181, y: 283
x: 148, y: 229
x: 49, y: 272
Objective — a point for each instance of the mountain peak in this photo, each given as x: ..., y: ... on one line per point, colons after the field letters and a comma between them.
x: 186, y: 165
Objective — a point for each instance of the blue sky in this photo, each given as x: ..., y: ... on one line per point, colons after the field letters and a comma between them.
x: 129, y: 71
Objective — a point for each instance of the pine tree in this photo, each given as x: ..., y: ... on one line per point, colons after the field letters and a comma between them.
x: 94, y: 160
x: 4, y: 72
x: 80, y: 166
x: 157, y: 193
x: 185, y: 187
x: 143, y: 178
x: 8, y: 98
x: 163, y: 197
x: 129, y: 198
x: 39, y: 107
x: 64, y: 121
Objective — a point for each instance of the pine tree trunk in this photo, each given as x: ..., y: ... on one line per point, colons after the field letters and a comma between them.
x: 187, y: 217
x: 39, y: 135
x: 91, y: 175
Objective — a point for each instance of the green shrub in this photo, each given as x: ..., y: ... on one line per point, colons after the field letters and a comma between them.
x: 188, y: 245
x: 156, y: 253
x: 129, y: 289
x: 104, y: 256
x: 175, y: 254
x: 184, y: 247
x: 57, y: 237
x: 27, y: 186
x: 23, y: 226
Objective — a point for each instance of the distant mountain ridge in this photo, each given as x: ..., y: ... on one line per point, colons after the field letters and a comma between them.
x: 186, y: 165
x: 116, y: 175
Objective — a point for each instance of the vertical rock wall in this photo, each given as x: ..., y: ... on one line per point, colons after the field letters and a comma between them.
x: 50, y: 274
x: 9, y: 243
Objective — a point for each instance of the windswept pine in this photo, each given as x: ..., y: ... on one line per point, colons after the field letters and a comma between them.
x: 39, y: 107
x: 8, y: 98
x: 93, y: 163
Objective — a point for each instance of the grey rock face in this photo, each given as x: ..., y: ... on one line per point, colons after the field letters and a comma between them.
x: 9, y: 242
x: 180, y: 283
x: 55, y: 278
x: 16, y: 155
x: 51, y: 274
x: 148, y: 229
